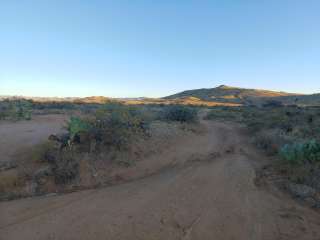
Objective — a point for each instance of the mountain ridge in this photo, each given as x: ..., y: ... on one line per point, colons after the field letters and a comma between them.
x: 217, y: 96
x: 229, y: 94
x: 247, y: 96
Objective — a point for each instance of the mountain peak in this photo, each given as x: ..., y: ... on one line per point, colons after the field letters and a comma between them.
x: 225, y: 87
x: 228, y: 94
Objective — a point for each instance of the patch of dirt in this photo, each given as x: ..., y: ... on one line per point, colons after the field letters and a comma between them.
x: 201, y: 187
x: 23, y: 134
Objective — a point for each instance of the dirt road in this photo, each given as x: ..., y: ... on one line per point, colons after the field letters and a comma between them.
x: 206, y: 192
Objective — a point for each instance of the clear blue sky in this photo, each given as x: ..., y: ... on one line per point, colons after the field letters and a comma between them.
x: 154, y: 48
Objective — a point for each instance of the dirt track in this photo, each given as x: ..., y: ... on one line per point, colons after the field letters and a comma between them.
x: 207, y: 192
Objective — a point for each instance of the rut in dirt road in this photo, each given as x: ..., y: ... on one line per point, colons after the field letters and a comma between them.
x: 207, y: 193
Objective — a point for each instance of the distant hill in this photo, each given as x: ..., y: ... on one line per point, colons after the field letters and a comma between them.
x: 228, y: 94
x: 219, y: 96
x: 94, y: 99
x: 40, y: 99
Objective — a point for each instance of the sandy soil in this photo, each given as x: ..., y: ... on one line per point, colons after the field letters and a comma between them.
x: 23, y: 134
x: 207, y: 191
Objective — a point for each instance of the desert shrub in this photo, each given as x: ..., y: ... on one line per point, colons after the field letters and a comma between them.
x: 43, y: 152
x: 117, y: 125
x: 296, y: 173
x: 2, y: 115
x: 77, y: 125
x: 15, y: 109
x: 87, y: 108
x: 266, y: 142
x: 301, y: 153
x: 111, y: 107
x: 180, y: 114
x: 110, y: 129
x: 112, y: 125
x: 52, y: 105
x: 59, y: 163
x: 22, y: 109
x: 65, y: 168
x: 3, y: 110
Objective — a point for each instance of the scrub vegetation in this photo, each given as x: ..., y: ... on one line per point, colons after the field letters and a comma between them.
x: 15, y: 110
x: 291, y: 134
x: 112, y: 135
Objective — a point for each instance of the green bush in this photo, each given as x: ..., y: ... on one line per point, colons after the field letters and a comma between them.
x: 112, y: 125
x: 2, y: 115
x: 15, y: 109
x: 117, y: 125
x: 65, y: 168
x: 76, y: 125
x: 180, y: 114
x: 301, y: 153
